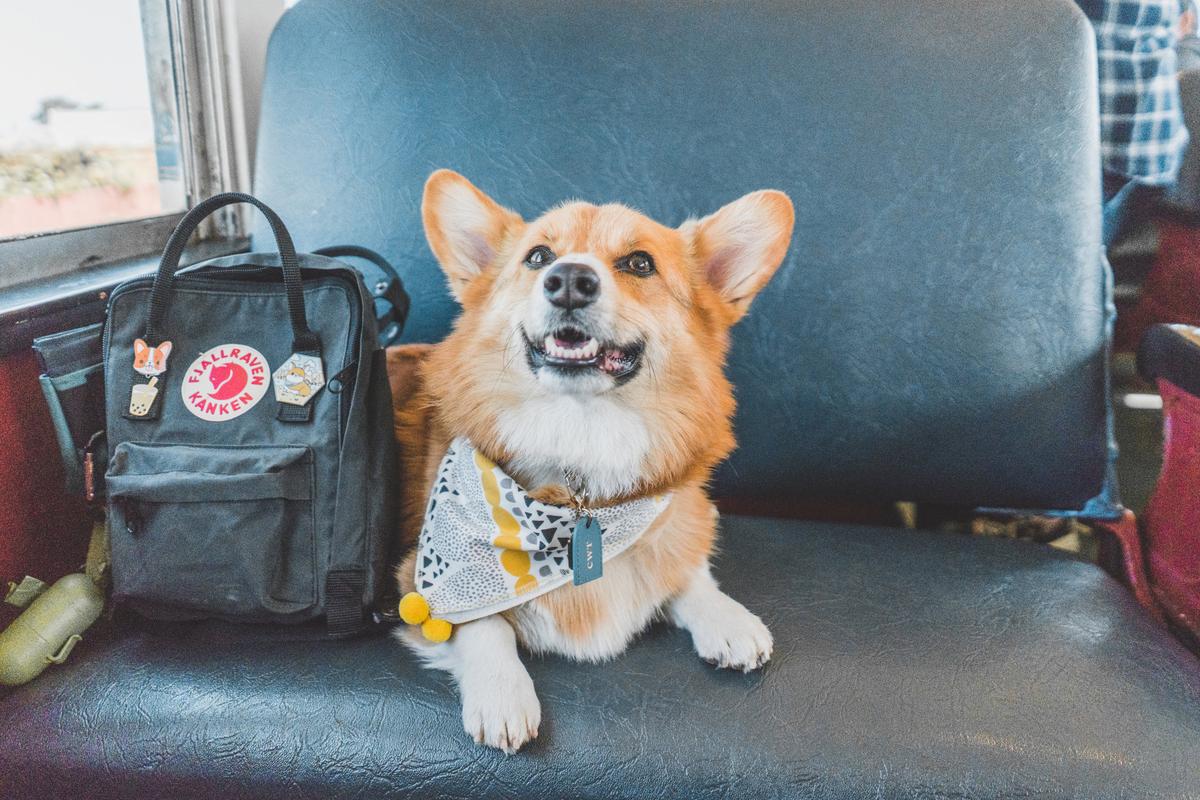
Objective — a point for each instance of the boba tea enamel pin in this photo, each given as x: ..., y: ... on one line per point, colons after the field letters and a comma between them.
x: 141, y: 399
x: 150, y: 361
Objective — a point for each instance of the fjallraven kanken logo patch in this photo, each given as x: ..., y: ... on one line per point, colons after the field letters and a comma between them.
x: 225, y: 382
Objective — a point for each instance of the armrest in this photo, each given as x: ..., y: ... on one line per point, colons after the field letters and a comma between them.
x: 1171, y: 353
x: 1170, y: 356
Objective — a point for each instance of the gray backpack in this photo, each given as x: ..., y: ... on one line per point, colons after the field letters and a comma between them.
x: 249, y: 427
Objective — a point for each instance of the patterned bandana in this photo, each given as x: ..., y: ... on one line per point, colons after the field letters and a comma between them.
x: 487, y: 546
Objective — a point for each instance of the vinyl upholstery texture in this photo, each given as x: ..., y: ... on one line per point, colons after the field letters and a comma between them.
x: 907, y: 664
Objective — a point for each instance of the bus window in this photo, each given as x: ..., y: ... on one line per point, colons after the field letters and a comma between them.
x: 88, y: 133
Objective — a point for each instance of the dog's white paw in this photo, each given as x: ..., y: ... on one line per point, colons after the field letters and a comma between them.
x: 731, y: 637
x: 503, y: 713
x: 723, y: 631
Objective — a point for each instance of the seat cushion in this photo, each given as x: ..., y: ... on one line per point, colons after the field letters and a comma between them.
x: 907, y: 664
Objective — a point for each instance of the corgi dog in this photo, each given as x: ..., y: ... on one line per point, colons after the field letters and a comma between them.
x: 150, y: 361
x: 591, y: 345
x: 296, y: 380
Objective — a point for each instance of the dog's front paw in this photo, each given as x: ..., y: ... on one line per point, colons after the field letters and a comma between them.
x: 504, y: 714
x: 732, y: 638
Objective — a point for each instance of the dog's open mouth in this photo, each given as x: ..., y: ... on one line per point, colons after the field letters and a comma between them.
x: 570, y: 349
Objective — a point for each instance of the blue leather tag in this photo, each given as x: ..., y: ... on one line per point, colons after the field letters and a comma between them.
x: 587, y: 551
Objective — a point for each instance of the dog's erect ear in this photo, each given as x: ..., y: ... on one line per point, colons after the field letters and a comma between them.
x: 740, y: 247
x: 466, y: 228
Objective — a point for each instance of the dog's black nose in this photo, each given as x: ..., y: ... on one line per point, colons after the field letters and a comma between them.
x: 571, y: 286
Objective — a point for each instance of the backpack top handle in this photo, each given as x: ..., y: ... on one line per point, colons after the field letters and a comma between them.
x: 303, y: 339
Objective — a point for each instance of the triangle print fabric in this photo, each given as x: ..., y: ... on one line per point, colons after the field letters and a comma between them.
x: 487, y: 546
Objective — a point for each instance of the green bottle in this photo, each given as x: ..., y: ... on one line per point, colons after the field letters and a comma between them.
x: 49, y: 629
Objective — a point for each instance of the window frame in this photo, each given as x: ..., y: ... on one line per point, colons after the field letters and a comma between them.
x: 198, y: 40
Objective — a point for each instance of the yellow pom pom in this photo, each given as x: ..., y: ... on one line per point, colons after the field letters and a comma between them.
x: 413, y: 609
x: 436, y: 630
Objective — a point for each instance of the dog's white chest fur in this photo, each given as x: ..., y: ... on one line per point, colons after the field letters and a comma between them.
x: 602, y: 441
x: 631, y: 606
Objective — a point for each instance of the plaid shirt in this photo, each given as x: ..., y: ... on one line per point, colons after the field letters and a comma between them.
x: 1142, y: 134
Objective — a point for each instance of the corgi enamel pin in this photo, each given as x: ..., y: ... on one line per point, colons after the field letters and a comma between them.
x: 298, y: 379
x: 150, y: 361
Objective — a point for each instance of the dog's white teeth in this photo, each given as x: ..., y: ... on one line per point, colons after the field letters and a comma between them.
x: 583, y: 352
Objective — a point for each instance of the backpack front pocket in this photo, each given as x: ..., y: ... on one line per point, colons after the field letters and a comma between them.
x: 218, y: 530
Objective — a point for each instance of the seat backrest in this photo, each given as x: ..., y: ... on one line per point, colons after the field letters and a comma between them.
x: 938, y: 330
x: 1184, y: 195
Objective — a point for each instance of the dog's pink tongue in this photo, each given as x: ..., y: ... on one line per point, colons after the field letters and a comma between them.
x: 614, y: 360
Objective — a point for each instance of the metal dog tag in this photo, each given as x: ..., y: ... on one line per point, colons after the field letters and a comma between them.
x: 587, y: 550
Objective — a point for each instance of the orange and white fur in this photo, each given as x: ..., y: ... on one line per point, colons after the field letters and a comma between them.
x: 592, y: 339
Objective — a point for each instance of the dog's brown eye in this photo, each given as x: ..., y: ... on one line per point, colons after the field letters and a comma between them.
x: 638, y: 263
x: 539, y: 257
